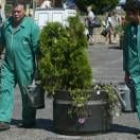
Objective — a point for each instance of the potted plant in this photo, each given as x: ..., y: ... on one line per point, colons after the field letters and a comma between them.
x: 65, y: 72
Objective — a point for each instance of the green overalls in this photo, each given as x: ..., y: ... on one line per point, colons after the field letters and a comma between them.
x: 131, y: 58
x: 18, y: 66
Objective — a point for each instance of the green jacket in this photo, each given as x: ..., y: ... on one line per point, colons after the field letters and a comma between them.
x: 131, y: 49
x: 20, y: 44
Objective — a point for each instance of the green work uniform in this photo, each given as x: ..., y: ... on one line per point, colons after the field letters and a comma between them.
x: 18, y: 66
x: 131, y: 58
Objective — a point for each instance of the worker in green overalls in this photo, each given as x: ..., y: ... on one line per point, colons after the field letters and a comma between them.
x: 19, y: 39
x: 131, y: 49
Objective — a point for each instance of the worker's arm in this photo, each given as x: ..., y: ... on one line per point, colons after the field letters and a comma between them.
x: 125, y: 55
x: 2, y: 40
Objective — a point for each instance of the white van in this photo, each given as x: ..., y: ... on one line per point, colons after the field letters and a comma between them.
x: 42, y: 16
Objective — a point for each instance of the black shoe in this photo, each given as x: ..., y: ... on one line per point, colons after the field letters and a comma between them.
x: 27, y: 125
x: 4, y: 126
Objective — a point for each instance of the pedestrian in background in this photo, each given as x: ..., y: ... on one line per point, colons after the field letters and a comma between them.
x: 89, y: 18
x: 20, y: 36
x: 109, y: 27
x: 116, y: 23
x: 131, y: 49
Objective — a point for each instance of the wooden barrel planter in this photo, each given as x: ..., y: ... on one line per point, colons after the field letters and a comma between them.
x: 91, y: 118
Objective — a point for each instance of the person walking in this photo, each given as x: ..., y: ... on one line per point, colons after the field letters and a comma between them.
x: 131, y: 49
x: 88, y: 19
x: 19, y: 39
x: 116, y: 23
x: 109, y: 27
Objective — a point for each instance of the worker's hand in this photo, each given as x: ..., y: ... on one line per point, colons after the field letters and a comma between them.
x: 126, y: 77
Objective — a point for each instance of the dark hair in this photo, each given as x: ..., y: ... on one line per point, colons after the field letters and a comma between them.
x: 19, y: 3
x: 109, y: 14
x: 132, y: 5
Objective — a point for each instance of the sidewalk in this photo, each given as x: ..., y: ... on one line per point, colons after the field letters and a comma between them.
x: 106, y: 61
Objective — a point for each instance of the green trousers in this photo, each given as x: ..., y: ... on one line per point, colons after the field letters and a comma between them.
x: 8, y: 79
x: 136, y: 80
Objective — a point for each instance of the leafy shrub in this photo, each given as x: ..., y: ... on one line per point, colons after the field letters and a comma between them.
x: 63, y: 59
x: 64, y: 65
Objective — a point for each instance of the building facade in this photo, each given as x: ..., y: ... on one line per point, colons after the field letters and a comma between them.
x: 30, y: 5
x: 54, y: 2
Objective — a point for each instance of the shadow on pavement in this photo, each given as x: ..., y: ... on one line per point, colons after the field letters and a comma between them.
x: 123, y: 129
x: 46, y: 124
x: 116, y: 47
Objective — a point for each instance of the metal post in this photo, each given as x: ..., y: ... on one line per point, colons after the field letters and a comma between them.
x: 53, y: 3
x: 34, y: 7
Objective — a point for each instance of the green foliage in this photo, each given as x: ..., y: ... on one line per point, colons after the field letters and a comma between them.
x: 80, y: 98
x: 8, y: 9
x: 82, y: 4
x: 64, y: 65
x: 63, y: 59
x: 119, y: 29
x: 99, y: 6
x: 111, y: 96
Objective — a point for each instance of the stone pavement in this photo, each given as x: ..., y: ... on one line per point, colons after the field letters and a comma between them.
x: 106, y: 61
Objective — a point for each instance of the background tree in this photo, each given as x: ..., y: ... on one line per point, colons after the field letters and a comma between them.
x: 99, y: 6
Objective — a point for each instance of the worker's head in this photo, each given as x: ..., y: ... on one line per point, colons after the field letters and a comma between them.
x: 18, y: 12
x: 132, y: 9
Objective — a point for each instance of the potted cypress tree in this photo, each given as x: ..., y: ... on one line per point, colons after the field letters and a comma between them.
x: 65, y: 72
